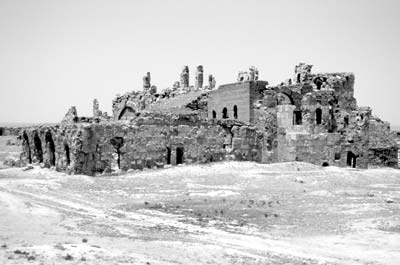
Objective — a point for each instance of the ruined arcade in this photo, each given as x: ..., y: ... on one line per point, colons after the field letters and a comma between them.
x: 311, y: 117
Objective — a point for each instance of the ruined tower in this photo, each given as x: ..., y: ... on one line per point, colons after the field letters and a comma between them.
x: 211, y: 81
x: 199, y: 77
x: 301, y: 72
x: 185, y: 77
x: 146, y: 82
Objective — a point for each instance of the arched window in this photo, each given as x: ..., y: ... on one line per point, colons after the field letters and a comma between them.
x: 235, y: 112
x: 297, y: 118
x: 346, y: 121
x: 214, y: 114
x: 298, y: 78
x: 318, y: 116
x: 225, y: 113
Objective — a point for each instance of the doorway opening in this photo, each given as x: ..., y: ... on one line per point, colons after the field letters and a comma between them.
x: 179, y: 155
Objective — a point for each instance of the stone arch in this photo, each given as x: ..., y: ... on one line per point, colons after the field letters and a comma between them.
x: 235, y: 112
x: 214, y: 114
x: 284, y: 99
x: 38, y: 151
x: 318, y: 116
x: 293, y: 97
x: 51, y: 149
x: 225, y: 113
x: 179, y: 155
x: 127, y: 113
x: 351, y: 159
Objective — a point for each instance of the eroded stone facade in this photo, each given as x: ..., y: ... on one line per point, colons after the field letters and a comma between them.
x: 313, y: 118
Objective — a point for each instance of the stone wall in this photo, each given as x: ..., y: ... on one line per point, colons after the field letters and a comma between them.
x: 150, y: 141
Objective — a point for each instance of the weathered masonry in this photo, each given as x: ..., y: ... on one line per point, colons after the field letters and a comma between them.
x: 312, y: 118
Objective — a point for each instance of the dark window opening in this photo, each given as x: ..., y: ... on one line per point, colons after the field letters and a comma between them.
x: 168, y: 156
x: 37, y: 143
x: 337, y: 156
x: 318, y: 82
x: 318, y: 116
x: 27, y: 147
x: 1, y: 132
x: 351, y: 159
x: 298, y: 78
x: 235, y: 112
x: 346, y: 121
x: 225, y: 113
x: 325, y: 164
x: 297, y: 117
x: 117, y: 143
x: 67, y: 154
x: 214, y: 114
x: 179, y: 155
x: 51, y: 149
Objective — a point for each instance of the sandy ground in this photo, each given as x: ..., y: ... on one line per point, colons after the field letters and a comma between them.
x: 222, y: 213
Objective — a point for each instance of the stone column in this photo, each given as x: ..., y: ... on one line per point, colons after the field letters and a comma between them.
x: 185, y: 77
x: 199, y: 77
x: 146, y: 82
x: 96, y: 110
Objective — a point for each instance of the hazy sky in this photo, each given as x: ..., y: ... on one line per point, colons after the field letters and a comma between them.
x: 55, y: 54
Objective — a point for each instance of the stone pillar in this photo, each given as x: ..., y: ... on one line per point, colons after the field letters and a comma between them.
x: 211, y: 81
x: 96, y: 110
x: 146, y: 82
x: 185, y: 77
x: 199, y: 77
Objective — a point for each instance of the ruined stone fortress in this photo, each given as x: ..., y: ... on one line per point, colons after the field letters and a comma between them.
x: 312, y: 117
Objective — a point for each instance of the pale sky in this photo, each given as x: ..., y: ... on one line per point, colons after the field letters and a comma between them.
x: 57, y: 54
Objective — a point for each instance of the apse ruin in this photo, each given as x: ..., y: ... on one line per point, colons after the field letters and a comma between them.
x: 312, y: 117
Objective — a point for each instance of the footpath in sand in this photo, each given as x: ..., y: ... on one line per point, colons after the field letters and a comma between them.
x: 222, y: 213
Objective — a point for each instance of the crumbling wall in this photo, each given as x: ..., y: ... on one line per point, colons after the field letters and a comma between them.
x: 152, y: 140
x: 383, y: 148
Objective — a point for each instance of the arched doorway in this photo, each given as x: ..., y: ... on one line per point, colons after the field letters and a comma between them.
x: 351, y: 159
x: 37, y: 143
x: 51, y: 149
x: 179, y: 155
x: 318, y: 116
x: 225, y: 113
x: 235, y: 112
x: 214, y: 114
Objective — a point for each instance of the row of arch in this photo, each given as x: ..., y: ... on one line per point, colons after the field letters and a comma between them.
x: 225, y: 113
x: 298, y: 117
x: 38, y: 152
